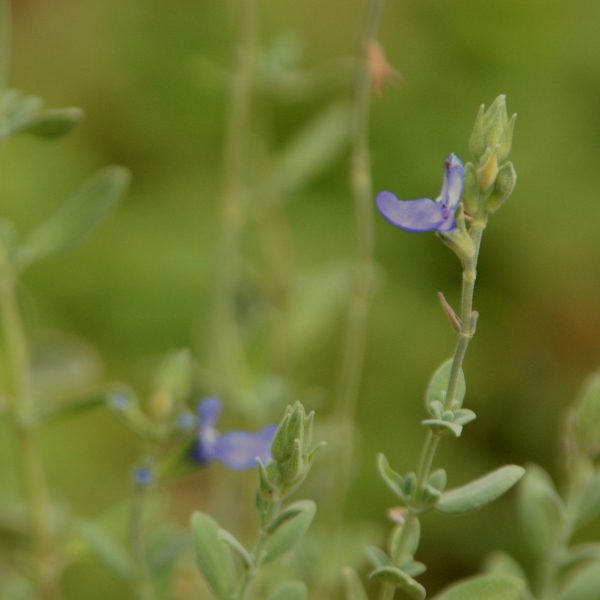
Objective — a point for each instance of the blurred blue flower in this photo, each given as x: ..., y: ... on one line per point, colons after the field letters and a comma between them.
x: 142, y: 477
x: 237, y: 450
x: 425, y: 214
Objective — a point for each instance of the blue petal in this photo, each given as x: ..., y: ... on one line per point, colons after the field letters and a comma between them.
x: 209, y: 411
x: 203, y: 451
x: 411, y: 215
x: 239, y: 450
x: 454, y: 175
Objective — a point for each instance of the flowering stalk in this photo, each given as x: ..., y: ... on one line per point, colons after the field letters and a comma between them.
x: 358, y: 310
x: 281, y: 471
x: 21, y: 405
x: 432, y: 439
x: 228, y: 345
x: 459, y: 217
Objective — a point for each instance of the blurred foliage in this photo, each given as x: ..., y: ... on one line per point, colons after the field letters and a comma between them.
x: 151, y: 77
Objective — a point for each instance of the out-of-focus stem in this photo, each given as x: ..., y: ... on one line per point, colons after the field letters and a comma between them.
x: 432, y: 440
x: 360, y: 298
x: 5, y: 37
x: 257, y: 556
x: 227, y: 344
x: 143, y: 582
x: 19, y: 383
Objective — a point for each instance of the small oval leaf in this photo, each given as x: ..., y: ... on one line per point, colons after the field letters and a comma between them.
x: 588, y: 506
x: 77, y: 219
x: 294, y: 590
x: 438, y: 386
x: 540, y: 510
x: 400, y: 580
x: 51, y: 123
x: 584, y: 585
x: 488, y: 587
x: 352, y: 586
x: 108, y: 551
x: 289, y: 533
x: 480, y: 492
x: 393, y: 480
x: 213, y: 556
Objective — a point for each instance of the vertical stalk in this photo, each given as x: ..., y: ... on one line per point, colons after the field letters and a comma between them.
x: 228, y: 345
x: 21, y: 400
x: 143, y: 583
x: 360, y: 298
x: 5, y: 35
x: 432, y: 440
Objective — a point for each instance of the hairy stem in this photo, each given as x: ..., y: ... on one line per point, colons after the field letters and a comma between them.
x: 21, y: 399
x: 432, y: 440
x: 257, y: 555
x: 228, y: 347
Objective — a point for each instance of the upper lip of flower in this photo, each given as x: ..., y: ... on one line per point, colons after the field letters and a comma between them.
x: 425, y: 214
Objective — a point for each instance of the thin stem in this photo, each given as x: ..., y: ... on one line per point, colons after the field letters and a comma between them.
x: 143, y: 583
x: 21, y: 400
x: 228, y: 345
x: 257, y: 555
x: 360, y: 298
x: 432, y: 440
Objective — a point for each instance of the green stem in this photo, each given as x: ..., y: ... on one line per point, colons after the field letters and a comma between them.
x: 143, y: 582
x: 228, y: 345
x: 257, y: 554
x: 21, y: 401
x: 360, y: 298
x: 432, y: 440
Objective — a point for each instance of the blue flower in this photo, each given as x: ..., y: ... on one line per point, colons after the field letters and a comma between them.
x: 425, y: 214
x: 143, y: 477
x: 238, y: 450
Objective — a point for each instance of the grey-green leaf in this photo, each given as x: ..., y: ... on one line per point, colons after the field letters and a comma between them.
x: 540, y: 509
x: 294, y: 590
x: 484, y: 587
x: 584, y: 585
x: 400, y: 580
x: 51, y: 123
x: 377, y: 557
x: 438, y: 386
x: 289, y: 533
x: 586, y: 417
x: 501, y: 563
x: 77, y: 219
x: 237, y: 547
x: 352, y: 586
x: 588, y: 506
x: 393, y: 480
x: 106, y: 548
x: 310, y: 152
x: 480, y: 492
x: 213, y: 556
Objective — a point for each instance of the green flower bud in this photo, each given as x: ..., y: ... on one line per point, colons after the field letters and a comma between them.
x: 470, y: 198
x: 486, y: 174
x: 477, y: 142
x: 503, y: 188
x: 492, y: 132
x: 505, y: 142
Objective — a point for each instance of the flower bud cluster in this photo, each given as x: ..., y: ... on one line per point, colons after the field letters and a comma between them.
x: 490, y: 180
x: 292, y: 454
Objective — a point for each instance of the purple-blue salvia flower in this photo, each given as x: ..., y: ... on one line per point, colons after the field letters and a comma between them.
x: 238, y: 450
x: 425, y: 214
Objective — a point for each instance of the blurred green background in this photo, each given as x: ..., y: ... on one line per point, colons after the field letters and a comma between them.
x: 151, y: 76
